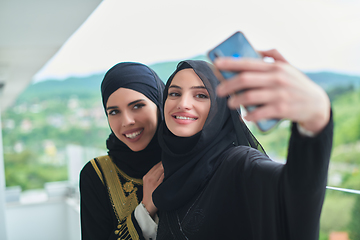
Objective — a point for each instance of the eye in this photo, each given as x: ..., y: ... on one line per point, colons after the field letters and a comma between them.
x: 113, y: 112
x: 138, y: 106
x: 202, y: 95
x: 174, y: 94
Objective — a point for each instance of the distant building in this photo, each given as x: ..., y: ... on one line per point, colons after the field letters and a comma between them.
x: 26, y: 126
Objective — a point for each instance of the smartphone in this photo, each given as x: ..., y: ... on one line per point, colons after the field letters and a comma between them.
x: 237, y: 46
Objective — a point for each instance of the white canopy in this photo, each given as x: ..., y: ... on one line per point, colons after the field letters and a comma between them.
x: 31, y: 32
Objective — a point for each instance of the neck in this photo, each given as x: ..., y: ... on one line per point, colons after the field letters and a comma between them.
x: 180, y: 145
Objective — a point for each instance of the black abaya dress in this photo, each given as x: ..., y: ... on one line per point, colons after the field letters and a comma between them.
x: 253, y: 198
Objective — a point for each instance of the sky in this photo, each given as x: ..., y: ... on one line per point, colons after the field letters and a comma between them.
x: 313, y: 35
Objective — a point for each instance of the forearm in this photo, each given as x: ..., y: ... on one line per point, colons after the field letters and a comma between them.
x: 304, y: 181
x: 308, y: 157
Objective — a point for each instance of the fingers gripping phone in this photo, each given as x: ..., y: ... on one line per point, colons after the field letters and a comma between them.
x: 237, y: 46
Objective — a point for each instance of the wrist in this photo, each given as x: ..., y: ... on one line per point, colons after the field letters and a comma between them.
x: 304, y: 132
x: 151, y: 213
x: 320, y: 117
x: 318, y: 123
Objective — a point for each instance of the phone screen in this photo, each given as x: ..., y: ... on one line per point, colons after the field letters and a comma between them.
x: 237, y: 46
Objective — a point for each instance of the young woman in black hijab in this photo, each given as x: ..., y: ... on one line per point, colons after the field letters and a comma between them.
x: 112, y: 186
x: 219, y: 183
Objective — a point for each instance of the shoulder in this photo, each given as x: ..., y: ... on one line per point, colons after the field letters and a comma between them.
x: 91, y: 170
x: 247, y: 159
x: 242, y: 154
x: 86, y: 170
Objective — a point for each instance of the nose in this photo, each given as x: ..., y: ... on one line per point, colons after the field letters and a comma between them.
x: 185, y: 102
x: 127, y: 119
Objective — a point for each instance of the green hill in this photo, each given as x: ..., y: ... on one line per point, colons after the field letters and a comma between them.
x: 83, y: 87
x: 330, y: 80
x: 89, y: 86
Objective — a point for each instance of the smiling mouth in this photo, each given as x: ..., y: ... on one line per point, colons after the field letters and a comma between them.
x: 134, y: 134
x: 184, y: 118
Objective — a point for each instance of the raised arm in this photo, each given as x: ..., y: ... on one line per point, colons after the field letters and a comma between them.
x: 282, y: 90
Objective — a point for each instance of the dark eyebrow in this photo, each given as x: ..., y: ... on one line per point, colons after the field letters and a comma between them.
x: 175, y: 86
x: 129, y: 104
x: 201, y: 87
x: 111, y: 107
x: 136, y: 101
x: 193, y: 87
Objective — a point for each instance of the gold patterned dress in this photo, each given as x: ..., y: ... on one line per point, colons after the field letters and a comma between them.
x: 108, y: 201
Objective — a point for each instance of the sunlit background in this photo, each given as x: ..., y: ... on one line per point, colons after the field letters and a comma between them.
x: 56, y: 123
x: 312, y: 34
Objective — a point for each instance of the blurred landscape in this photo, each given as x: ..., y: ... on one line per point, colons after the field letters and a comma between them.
x: 52, y: 114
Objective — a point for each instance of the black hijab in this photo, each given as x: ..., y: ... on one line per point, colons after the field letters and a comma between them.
x: 190, y: 162
x: 140, y: 78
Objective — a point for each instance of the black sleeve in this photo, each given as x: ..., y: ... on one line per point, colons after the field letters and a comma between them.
x: 285, y: 200
x: 98, y: 220
x: 304, y: 180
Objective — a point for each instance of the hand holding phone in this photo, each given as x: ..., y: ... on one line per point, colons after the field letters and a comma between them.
x: 237, y: 46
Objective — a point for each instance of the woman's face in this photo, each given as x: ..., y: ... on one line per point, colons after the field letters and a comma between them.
x: 132, y: 117
x: 187, y: 105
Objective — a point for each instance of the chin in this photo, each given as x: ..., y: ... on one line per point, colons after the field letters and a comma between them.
x: 136, y: 148
x: 181, y: 133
